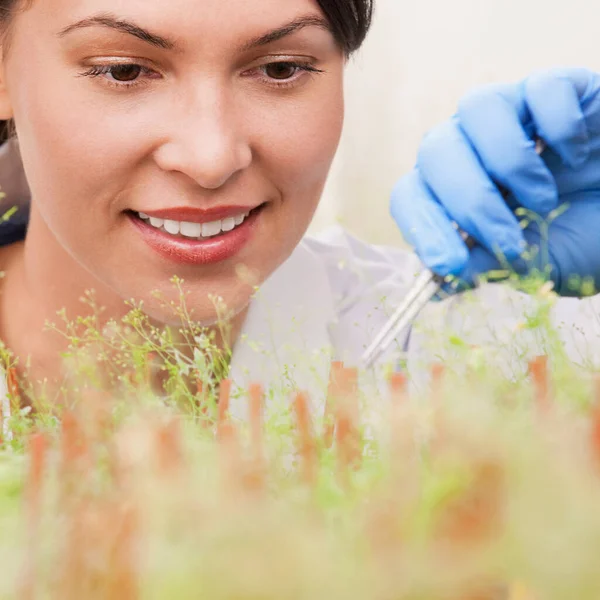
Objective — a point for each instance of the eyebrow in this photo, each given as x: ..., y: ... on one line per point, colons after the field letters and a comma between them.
x: 112, y: 22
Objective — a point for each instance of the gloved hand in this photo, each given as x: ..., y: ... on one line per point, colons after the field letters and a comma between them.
x: 488, y: 147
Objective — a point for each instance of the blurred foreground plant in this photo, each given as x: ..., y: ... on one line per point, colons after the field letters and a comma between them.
x: 481, y: 488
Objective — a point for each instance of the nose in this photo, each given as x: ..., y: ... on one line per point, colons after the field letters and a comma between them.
x: 206, y: 142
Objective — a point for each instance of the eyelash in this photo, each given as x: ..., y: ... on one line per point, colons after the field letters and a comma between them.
x: 99, y: 70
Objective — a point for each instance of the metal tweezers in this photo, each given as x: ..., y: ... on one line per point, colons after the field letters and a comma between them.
x: 424, y: 289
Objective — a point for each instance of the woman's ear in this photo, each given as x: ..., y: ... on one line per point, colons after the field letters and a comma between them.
x: 6, y: 111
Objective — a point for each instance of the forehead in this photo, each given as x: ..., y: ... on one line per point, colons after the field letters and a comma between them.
x: 201, y: 22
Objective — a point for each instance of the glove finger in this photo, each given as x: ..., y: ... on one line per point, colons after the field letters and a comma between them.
x: 494, y: 120
x: 426, y: 226
x: 586, y: 84
x: 451, y: 169
x: 553, y: 101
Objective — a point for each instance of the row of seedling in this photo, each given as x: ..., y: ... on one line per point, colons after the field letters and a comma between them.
x: 111, y: 523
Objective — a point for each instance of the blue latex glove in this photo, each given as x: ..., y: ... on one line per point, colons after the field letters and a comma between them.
x: 489, y: 144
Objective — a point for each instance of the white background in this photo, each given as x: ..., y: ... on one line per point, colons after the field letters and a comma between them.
x: 420, y: 57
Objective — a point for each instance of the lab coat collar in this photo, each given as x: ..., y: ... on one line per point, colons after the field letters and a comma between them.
x: 285, y: 343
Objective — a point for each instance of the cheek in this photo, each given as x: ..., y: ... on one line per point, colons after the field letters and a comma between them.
x: 72, y: 156
x: 297, y: 151
x: 302, y: 141
x: 73, y: 148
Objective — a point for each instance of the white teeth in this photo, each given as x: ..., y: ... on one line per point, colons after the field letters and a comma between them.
x: 210, y: 229
x: 195, y: 230
x: 192, y: 230
x: 228, y: 224
x: 171, y: 227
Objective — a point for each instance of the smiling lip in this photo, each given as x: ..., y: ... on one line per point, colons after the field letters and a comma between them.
x: 198, y: 215
x: 189, y: 251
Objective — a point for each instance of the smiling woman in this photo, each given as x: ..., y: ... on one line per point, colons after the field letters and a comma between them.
x: 191, y: 141
x: 158, y: 142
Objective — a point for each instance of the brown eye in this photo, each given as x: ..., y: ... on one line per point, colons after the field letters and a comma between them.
x: 126, y: 73
x: 123, y: 75
x: 281, y: 70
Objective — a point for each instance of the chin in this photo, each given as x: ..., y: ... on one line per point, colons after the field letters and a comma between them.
x: 204, y: 313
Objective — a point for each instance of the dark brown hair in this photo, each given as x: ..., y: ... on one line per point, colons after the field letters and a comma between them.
x: 350, y: 21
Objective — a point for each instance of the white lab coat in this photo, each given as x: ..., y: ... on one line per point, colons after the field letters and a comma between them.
x: 334, y: 293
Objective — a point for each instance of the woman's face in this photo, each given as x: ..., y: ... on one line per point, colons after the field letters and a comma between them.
x: 192, y: 112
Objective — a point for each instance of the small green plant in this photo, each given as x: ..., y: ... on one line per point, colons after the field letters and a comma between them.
x: 136, y: 482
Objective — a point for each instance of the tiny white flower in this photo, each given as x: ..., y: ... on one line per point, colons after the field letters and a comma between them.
x: 203, y: 341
